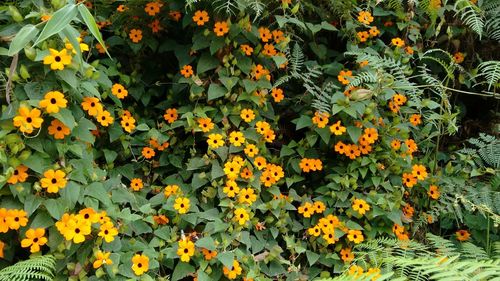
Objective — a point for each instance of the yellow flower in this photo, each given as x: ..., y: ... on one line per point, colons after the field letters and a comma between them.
x: 247, y: 195
x: 232, y: 169
x: 365, y: 17
x: 314, y: 231
x: 119, y: 91
x: 128, y: 123
x: 236, y: 138
x: 76, y: 229
x: 57, y: 59
x: 241, y: 215
x: 337, y: 129
x: 434, y: 192
x: 260, y: 162
x: 398, y: 42
x: 319, y: 207
x: 170, y: 189
x: 170, y: 115
x: 182, y: 205
x: 53, y: 180
x: 92, y: 105
x: 108, y: 232
x: 234, y: 272
x: 419, y: 171
x: 102, y: 258
x: 355, y: 236
x: 215, y: 141
x: 360, y: 206
x: 262, y: 127
x: 104, y: 118
x: 140, y: 264
x: 346, y: 255
x: 231, y: 188
x: 83, y: 47
x: 329, y: 235
x: 58, y: 130
x: 306, y: 210
x: 247, y: 115
x: 52, y: 101
x: 34, y: 239
x: 28, y: 120
x: 251, y: 150
x: 185, y: 249
x: 320, y: 119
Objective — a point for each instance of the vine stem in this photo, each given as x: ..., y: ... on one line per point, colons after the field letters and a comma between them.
x: 488, y: 94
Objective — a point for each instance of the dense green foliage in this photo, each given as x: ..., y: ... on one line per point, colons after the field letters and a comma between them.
x: 250, y: 139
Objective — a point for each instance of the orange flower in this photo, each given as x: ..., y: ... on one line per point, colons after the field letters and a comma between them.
x: 416, y: 119
x: 363, y: 36
x: 258, y: 71
x: 205, y: 124
x: 409, y: 50
x: 119, y: 91
x: 374, y: 31
x: 135, y: 35
x: 352, y: 151
x: 160, y: 219
x: 340, y: 147
x: 346, y: 255
x: 399, y: 99
x: 458, y: 57
x: 153, y: 8
x: 187, y: 71
x: 365, y: 17
x: 170, y: 115
x: 419, y: 171
x: 136, y: 184
x: 277, y: 94
x: 342, y: 76
x: 122, y: 8
x: 269, y: 50
x: 396, y: 144
x: 398, y: 42
x: 148, y: 152
x: 19, y: 175
x: 265, y: 34
x: 175, y: 15
x: 247, y: 49
x: 433, y: 192
x: 208, y: 254
x: 278, y: 36
x: 155, y: 26
x: 320, y: 119
x: 221, y: 28
x: 409, y: 180
x: 201, y: 17
x: 58, y: 130
x: 462, y: 235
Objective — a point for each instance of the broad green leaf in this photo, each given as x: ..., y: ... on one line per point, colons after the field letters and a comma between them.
x: 71, y: 34
x: 312, y: 257
x: 92, y: 25
x: 354, y: 133
x: 23, y: 37
x: 216, y: 91
x: 206, y: 62
x: 59, y: 20
x: 82, y: 131
x: 55, y: 208
x: 207, y: 243
x: 64, y: 115
x: 182, y: 270
x: 226, y: 259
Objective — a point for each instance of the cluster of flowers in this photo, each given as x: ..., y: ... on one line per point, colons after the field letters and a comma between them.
x: 75, y: 227
x: 369, y: 137
x: 307, y: 165
x: 52, y: 180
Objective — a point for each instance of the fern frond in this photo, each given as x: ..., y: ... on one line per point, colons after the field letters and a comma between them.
x: 471, y: 15
x: 490, y: 71
x: 38, y: 268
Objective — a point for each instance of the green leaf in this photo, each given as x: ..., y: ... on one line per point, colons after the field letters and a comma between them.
x: 312, y: 257
x: 71, y: 34
x: 207, y: 243
x: 92, y: 25
x: 229, y: 82
x: 302, y: 122
x: 226, y: 259
x: 206, y: 62
x: 110, y: 155
x: 71, y: 194
x: 324, y: 133
x: 64, y: 115
x: 55, y: 208
x: 142, y: 127
x: 23, y: 37
x: 395, y: 216
x: 216, y: 91
x: 182, y: 270
x: 217, y: 170
x: 354, y: 133
x: 57, y: 22
x: 82, y: 131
